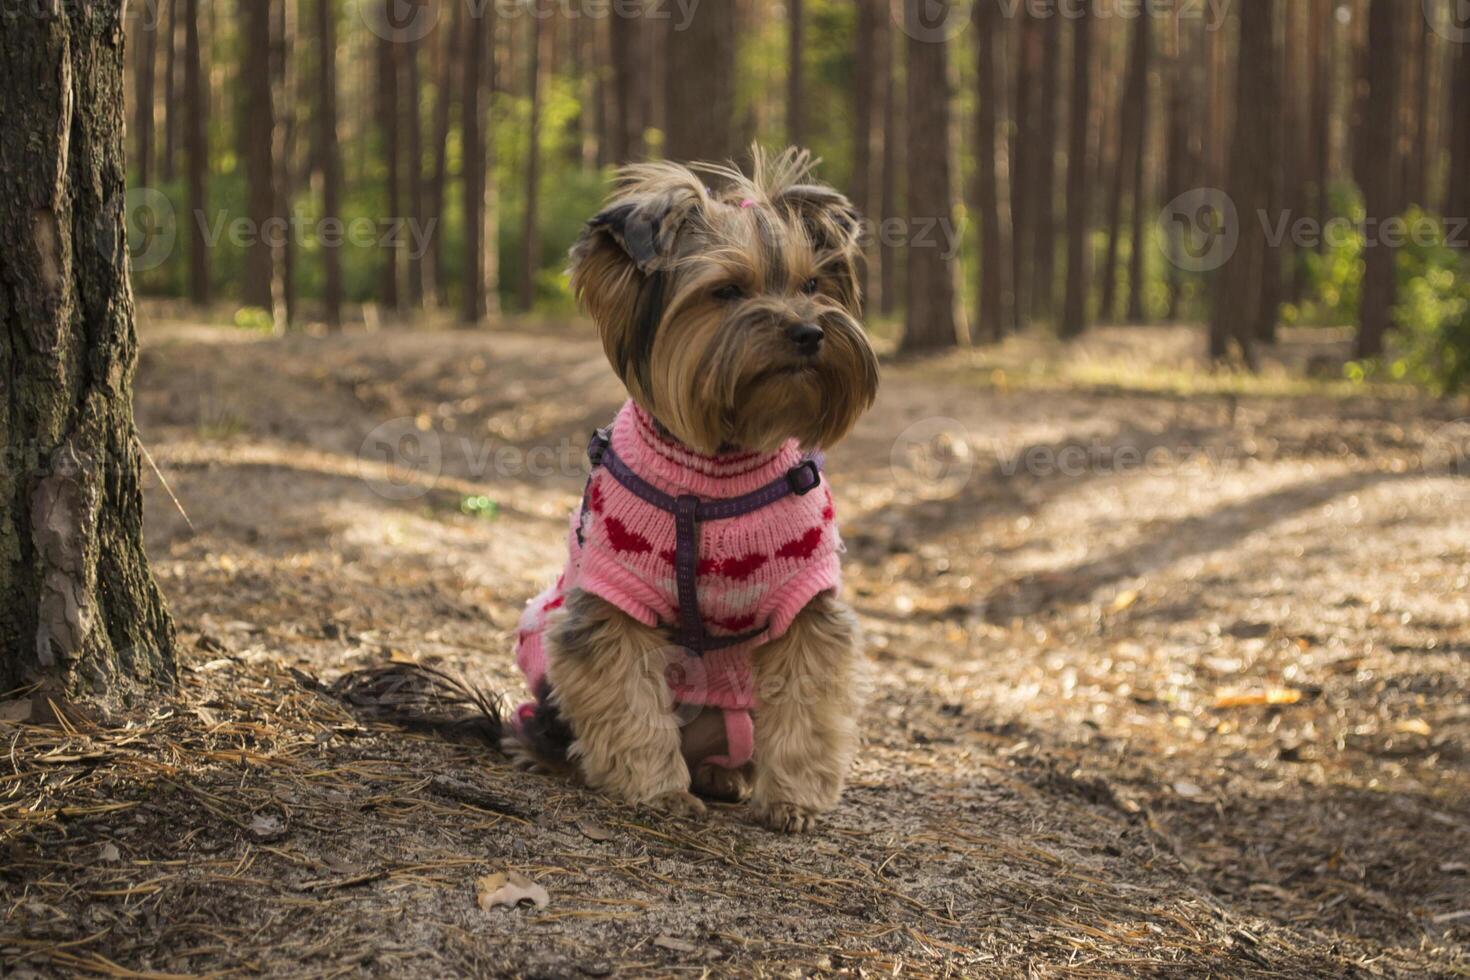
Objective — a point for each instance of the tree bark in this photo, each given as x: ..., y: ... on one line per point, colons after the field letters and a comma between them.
x: 82, y: 613
x: 1079, y: 181
x: 481, y: 280
x: 145, y: 38
x: 893, y: 139
x: 388, y: 122
x: 1130, y: 157
x: 170, y: 90
x: 284, y: 24
x: 1272, y: 133
x: 413, y: 164
x: 700, y: 85
x: 257, y: 127
x: 1044, y: 244
x: 993, y: 296
x: 444, y: 88
x: 1025, y: 116
x: 1143, y: 45
x: 868, y: 94
x: 930, y: 321
x: 329, y: 159
x: 530, y: 223
x: 795, y: 96
x: 624, y: 35
x: 1457, y: 194
x: 1380, y: 172
x: 196, y: 147
x: 1237, y: 284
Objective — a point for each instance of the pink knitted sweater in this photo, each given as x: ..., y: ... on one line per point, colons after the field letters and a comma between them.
x: 756, y: 571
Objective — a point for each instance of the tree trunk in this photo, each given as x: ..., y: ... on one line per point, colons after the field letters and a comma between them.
x: 258, y: 126
x: 413, y: 176
x: 1380, y: 175
x: 1272, y: 123
x: 145, y: 37
x: 283, y: 150
x: 1138, y: 204
x: 700, y: 85
x: 1238, y: 282
x: 624, y: 35
x: 388, y: 120
x: 1457, y: 194
x: 82, y: 613
x: 170, y: 91
x: 530, y: 224
x: 795, y: 96
x: 994, y: 315
x: 1024, y: 118
x: 930, y: 321
x: 434, y: 278
x: 1176, y: 142
x: 330, y: 159
x: 196, y: 147
x: 866, y: 126
x: 1079, y: 180
x: 1131, y: 119
x: 1324, y: 30
x: 1044, y: 244
x: 893, y: 139
x: 478, y: 183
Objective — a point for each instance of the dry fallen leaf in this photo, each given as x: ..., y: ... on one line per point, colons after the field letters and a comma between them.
x: 509, y: 890
x: 15, y: 711
x: 267, y: 828
x: 109, y: 852
x: 1188, y: 790
x: 1275, y: 695
x: 1413, y: 726
x: 593, y: 831
x: 1124, y: 599
x: 677, y: 945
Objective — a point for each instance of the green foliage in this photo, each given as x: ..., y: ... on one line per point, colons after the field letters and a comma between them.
x: 1431, y: 338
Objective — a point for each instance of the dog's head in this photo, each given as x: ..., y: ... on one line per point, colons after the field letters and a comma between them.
x: 731, y: 314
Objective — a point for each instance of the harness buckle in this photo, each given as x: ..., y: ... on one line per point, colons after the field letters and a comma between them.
x: 597, y: 446
x: 804, y: 477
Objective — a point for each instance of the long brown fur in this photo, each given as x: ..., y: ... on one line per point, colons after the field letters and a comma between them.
x: 696, y: 292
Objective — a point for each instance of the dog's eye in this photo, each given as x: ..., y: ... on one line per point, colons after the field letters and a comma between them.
x: 729, y: 293
x: 810, y: 286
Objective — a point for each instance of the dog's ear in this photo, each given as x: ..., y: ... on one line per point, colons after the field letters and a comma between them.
x: 835, y: 230
x: 620, y: 263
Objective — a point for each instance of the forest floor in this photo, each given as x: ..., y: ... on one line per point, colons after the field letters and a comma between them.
x: 1173, y: 678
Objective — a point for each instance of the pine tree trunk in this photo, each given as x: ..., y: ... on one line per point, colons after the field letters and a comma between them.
x: 624, y: 35
x: 1079, y: 180
x: 869, y: 88
x: 1380, y: 170
x: 700, y: 85
x: 994, y: 315
x: 1130, y: 156
x: 795, y: 96
x: 1237, y: 286
x: 1272, y: 123
x: 434, y: 278
x: 82, y: 613
x: 1457, y: 194
x: 1044, y: 244
x: 257, y: 129
x: 413, y: 178
x: 530, y: 224
x: 388, y: 118
x: 930, y: 321
x: 145, y: 39
x: 1324, y: 29
x: 196, y: 148
x: 1143, y: 46
x: 1024, y: 117
x: 283, y: 151
x: 893, y: 140
x: 473, y: 175
x: 167, y: 168
x: 329, y: 158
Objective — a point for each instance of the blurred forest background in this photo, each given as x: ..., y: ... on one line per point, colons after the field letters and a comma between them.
x: 1021, y: 162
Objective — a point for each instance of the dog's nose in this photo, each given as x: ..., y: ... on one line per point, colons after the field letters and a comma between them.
x: 806, y: 336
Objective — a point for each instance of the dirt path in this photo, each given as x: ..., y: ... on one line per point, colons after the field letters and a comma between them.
x: 1077, y: 602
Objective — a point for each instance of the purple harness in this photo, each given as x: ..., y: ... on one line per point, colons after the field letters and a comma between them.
x: 688, y: 512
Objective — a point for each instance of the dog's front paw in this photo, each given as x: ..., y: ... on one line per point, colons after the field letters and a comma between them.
x: 679, y: 803
x: 787, y: 818
x: 719, y: 783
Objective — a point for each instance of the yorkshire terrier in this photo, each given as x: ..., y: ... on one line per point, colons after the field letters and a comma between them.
x: 695, y: 643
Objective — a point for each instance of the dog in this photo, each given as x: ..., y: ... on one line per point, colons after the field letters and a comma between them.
x: 695, y: 645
